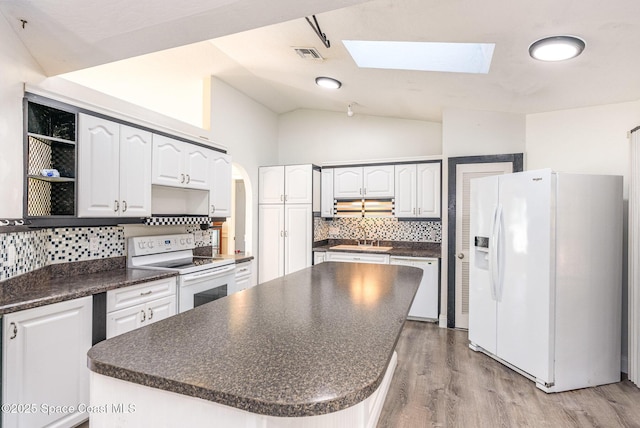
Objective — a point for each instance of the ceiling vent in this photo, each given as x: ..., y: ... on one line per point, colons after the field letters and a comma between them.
x: 309, y: 53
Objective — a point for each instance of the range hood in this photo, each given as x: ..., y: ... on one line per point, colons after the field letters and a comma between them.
x: 358, y: 208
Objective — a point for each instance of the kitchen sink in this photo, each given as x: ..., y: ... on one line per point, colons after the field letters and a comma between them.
x: 360, y: 247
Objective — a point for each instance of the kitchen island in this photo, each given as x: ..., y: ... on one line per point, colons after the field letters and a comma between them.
x: 313, y: 348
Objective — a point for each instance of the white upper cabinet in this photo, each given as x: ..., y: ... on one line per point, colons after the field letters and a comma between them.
x: 326, y: 186
x: 364, y: 182
x: 271, y: 185
x: 114, y: 169
x: 378, y: 181
x: 180, y: 164
x: 135, y: 172
x: 347, y: 182
x: 418, y: 190
x: 292, y: 184
x: 220, y: 193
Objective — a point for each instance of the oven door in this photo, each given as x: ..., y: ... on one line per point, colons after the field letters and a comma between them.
x: 205, y: 286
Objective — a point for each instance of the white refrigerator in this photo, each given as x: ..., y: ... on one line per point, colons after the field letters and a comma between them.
x: 545, y: 276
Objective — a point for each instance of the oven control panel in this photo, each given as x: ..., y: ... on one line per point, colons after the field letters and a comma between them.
x: 145, y: 245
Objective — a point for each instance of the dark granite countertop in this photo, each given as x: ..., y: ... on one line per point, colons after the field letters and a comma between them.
x: 400, y: 248
x: 312, y: 342
x: 57, y: 283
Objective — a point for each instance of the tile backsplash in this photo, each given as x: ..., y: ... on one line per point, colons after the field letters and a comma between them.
x: 385, y: 229
x: 23, y: 252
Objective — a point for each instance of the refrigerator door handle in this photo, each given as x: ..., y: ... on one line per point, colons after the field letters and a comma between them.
x: 493, y: 249
x: 499, y: 274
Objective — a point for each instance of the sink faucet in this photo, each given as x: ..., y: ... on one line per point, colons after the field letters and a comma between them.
x: 364, y: 233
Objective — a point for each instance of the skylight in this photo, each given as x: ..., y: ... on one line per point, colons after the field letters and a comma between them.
x: 422, y: 56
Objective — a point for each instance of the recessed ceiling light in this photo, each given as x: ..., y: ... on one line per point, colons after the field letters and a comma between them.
x: 422, y: 56
x: 328, y: 82
x: 556, y: 48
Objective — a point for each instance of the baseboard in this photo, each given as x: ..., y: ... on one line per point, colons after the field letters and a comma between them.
x: 442, y: 321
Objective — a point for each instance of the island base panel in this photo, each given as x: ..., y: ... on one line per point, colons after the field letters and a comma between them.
x: 115, y: 402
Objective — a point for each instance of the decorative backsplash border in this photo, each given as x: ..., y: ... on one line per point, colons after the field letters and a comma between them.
x: 34, y: 249
x: 384, y: 229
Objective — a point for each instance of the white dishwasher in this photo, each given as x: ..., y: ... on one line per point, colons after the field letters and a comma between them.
x: 425, y: 304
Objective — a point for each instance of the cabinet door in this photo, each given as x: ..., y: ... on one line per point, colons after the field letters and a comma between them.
x: 378, y: 181
x: 347, y: 182
x: 159, y: 309
x: 220, y: 193
x: 405, y: 183
x: 98, y: 167
x: 125, y: 320
x: 425, y: 304
x: 298, y: 237
x: 271, y: 185
x: 428, y: 189
x: 135, y: 172
x: 197, y: 164
x: 45, y: 362
x: 168, y: 162
x: 270, y: 241
x: 298, y: 184
x: 243, y: 283
x: 326, y: 189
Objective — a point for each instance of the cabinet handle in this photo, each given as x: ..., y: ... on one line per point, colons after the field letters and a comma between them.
x: 146, y: 293
x: 144, y: 315
x: 286, y: 234
x: 419, y: 210
x: 286, y: 197
x: 15, y: 331
x: 414, y: 211
x: 213, y: 209
x: 124, y: 206
x: 243, y: 270
x: 182, y: 175
x: 281, y: 198
x: 188, y: 178
x: 116, y: 207
x: 150, y: 314
x: 281, y: 233
x: 361, y: 191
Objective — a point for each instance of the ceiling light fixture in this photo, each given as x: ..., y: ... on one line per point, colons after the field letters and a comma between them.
x: 350, y: 108
x: 328, y: 82
x: 556, y: 48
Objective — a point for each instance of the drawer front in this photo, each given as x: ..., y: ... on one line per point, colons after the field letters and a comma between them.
x: 357, y: 257
x: 243, y: 269
x: 130, y: 296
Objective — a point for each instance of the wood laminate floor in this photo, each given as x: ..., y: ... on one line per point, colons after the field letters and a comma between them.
x: 440, y: 382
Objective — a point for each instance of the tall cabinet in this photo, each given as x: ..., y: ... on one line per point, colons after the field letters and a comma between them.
x: 287, y: 199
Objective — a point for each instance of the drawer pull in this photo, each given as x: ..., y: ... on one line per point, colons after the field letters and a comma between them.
x: 144, y: 315
x: 150, y: 314
x: 15, y: 331
x: 146, y: 293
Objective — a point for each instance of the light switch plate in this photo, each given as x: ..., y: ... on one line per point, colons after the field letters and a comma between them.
x: 333, y: 230
x: 94, y: 245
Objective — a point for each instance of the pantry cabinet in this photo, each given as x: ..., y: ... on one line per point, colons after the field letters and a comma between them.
x: 364, y: 182
x: 417, y: 190
x: 287, y: 196
x: 220, y: 192
x: 114, y: 170
x: 44, y: 362
x: 326, y: 186
x: 180, y: 164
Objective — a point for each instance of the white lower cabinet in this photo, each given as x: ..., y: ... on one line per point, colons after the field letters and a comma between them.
x: 336, y: 256
x: 129, y: 308
x: 425, y: 304
x: 44, y: 364
x: 243, y: 276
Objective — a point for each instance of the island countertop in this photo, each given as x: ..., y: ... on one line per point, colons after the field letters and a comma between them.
x: 309, y: 343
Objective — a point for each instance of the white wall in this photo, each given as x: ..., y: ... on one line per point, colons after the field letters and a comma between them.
x: 475, y: 132
x: 250, y: 132
x: 17, y: 67
x: 323, y: 137
x: 589, y: 140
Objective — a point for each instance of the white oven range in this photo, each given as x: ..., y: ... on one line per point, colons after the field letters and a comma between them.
x: 200, y: 279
